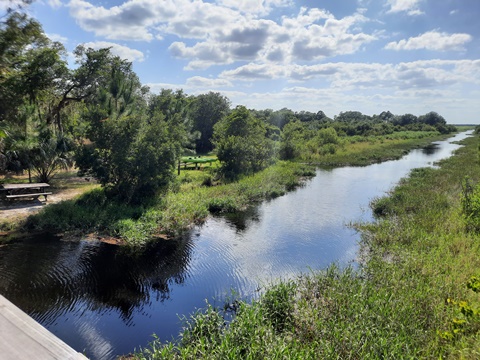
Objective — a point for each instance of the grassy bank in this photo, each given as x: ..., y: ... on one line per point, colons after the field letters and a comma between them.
x: 408, y: 299
x: 189, y: 202
x: 365, y: 150
x: 197, y: 194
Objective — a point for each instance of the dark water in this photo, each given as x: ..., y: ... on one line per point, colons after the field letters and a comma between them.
x: 105, y: 301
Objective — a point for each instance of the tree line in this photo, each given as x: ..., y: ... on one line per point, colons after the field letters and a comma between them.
x: 98, y: 116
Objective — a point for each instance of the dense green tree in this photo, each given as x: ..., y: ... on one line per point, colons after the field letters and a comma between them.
x: 307, y: 116
x: 323, y: 142
x: 38, y: 90
x: 281, y: 117
x: 29, y: 64
x: 432, y: 118
x: 132, y: 146
x: 175, y: 107
x: 406, y: 119
x: 206, y: 110
x: 298, y: 140
x: 351, y: 116
x: 292, y: 140
x: 241, y: 143
x: 385, y: 116
x: 437, y: 121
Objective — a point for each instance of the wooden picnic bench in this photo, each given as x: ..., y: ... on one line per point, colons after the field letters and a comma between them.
x: 18, y: 191
x: 195, y: 161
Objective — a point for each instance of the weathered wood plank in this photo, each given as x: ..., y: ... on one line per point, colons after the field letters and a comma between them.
x: 21, y: 337
x: 25, y: 186
x: 28, y: 195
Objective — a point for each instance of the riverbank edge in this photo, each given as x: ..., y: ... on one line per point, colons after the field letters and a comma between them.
x: 179, y: 210
x: 402, y: 302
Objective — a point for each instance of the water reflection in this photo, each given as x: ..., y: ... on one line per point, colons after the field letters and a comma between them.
x: 106, y: 301
x: 242, y: 219
x: 49, y: 278
x: 117, y: 279
x: 431, y: 149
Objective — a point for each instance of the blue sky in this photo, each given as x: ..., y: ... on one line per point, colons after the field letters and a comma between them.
x: 406, y: 56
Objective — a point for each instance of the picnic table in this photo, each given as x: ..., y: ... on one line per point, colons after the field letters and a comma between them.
x: 196, y: 161
x: 31, y: 190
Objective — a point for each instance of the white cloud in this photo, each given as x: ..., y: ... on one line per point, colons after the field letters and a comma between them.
x: 426, y: 74
x: 256, y: 72
x: 202, y: 82
x: 259, y: 7
x: 217, y: 35
x: 133, y: 20
x: 432, y: 40
x: 411, y: 7
x: 123, y: 52
x: 56, y: 37
x: 312, y: 35
x: 199, y: 20
x: 55, y: 3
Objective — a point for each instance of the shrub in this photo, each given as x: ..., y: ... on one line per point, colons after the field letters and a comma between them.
x: 471, y: 205
x: 242, y: 145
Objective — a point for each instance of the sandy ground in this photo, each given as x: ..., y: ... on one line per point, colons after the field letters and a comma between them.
x: 18, y: 209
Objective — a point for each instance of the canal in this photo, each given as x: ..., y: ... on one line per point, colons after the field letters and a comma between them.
x: 104, y: 300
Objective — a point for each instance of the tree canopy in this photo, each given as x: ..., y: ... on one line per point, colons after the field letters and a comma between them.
x: 241, y: 143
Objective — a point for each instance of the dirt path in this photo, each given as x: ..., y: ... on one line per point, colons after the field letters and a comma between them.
x: 19, y: 209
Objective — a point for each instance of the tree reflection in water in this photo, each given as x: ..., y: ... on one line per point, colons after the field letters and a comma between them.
x: 47, y: 277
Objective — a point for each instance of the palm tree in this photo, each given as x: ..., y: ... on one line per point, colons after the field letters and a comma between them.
x: 51, y: 153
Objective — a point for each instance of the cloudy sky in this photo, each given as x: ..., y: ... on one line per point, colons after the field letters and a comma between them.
x: 406, y: 56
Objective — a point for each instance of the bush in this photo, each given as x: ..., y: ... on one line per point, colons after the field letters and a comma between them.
x: 242, y: 145
x: 471, y: 205
x: 381, y: 206
x: 278, y: 305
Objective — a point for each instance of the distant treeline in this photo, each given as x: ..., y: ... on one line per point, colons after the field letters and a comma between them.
x: 352, y: 123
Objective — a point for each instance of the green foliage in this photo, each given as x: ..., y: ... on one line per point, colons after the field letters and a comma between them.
x: 206, y: 111
x: 175, y: 107
x: 278, y: 307
x: 474, y: 284
x: 21, y: 40
x: 330, y: 314
x: 91, y: 212
x: 131, y: 152
x: 223, y: 205
x: 241, y: 144
x: 204, y: 325
x: 470, y: 201
x: 50, y: 154
x: 467, y: 319
x: 292, y: 138
x: 298, y: 141
x: 381, y: 206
